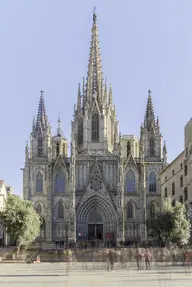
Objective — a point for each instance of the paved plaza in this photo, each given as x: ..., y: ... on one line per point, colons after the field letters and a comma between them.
x: 57, y: 274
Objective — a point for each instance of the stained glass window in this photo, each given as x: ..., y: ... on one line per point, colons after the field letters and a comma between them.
x: 60, y: 181
x: 60, y: 210
x: 152, y: 146
x: 39, y: 182
x: 130, y: 184
x: 152, y: 182
x: 129, y: 211
x: 40, y: 147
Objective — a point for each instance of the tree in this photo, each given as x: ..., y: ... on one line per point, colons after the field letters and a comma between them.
x: 170, y: 224
x: 20, y: 221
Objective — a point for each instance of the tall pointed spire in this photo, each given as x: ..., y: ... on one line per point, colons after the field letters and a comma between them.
x: 149, y: 116
x: 41, y: 122
x: 94, y: 77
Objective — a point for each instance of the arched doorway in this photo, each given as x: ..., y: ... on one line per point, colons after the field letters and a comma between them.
x: 96, y: 216
x: 95, y: 225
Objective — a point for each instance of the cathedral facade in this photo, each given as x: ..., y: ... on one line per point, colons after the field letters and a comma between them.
x: 110, y: 184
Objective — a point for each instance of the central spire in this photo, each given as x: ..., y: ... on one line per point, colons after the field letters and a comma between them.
x: 94, y: 75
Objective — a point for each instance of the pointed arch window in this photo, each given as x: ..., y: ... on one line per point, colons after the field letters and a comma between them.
x: 153, y: 210
x: 80, y: 131
x: 152, y: 146
x: 39, y: 209
x: 60, y: 211
x: 129, y: 211
x: 130, y: 184
x: 152, y: 182
x: 95, y: 127
x: 128, y: 148
x: 60, y: 182
x: 39, y: 182
x: 40, y: 147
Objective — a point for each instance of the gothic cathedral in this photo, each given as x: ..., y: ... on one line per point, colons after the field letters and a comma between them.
x: 110, y: 183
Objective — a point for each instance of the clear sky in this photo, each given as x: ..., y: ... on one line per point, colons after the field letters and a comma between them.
x: 45, y: 45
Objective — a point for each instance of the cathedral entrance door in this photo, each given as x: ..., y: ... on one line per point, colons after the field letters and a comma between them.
x: 95, y: 225
x: 95, y: 231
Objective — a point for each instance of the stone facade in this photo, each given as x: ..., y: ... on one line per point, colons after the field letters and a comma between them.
x: 110, y: 183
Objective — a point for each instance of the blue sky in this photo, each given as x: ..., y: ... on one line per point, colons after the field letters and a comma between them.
x: 45, y: 45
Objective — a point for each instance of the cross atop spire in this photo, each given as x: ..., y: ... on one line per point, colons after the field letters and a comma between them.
x: 94, y: 15
x: 42, y: 92
x: 94, y: 74
x: 149, y: 115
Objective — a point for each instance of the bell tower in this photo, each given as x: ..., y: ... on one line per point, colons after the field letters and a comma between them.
x: 40, y: 141
x: 150, y: 136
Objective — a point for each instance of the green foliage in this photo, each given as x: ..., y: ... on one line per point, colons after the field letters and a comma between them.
x: 170, y: 224
x: 20, y: 220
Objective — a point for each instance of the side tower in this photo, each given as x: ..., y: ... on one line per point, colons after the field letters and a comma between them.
x: 152, y: 160
x: 37, y: 157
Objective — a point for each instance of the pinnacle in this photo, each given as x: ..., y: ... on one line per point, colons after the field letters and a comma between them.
x: 149, y: 116
x: 94, y: 75
x: 41, y: 121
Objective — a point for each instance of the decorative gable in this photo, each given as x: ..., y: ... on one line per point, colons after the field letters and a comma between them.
x: 130, y: 161
x: 96, y: 178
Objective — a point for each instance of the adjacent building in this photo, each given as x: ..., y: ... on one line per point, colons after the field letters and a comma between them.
x: 176, y: 178
x: 172, y: 180
x: 4, y: 190
x: 110, y: 183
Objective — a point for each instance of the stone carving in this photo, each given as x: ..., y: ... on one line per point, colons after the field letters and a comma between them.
x: 120, y: 173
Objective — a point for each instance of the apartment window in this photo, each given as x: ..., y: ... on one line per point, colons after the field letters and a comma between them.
x: 181, y: 165
x: 181, y: 181
x: 181, y: 199
x: 185, y: 193
x: 165, y: 191
x: 173, y: 188
x: 185, y: 169
x: 173, y: 172
x: 165, y: 178
x: 173, y: 202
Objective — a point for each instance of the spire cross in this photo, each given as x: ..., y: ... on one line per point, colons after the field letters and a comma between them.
x: 94, y: 15
x: 149, y: 92
x: 42, y: 92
